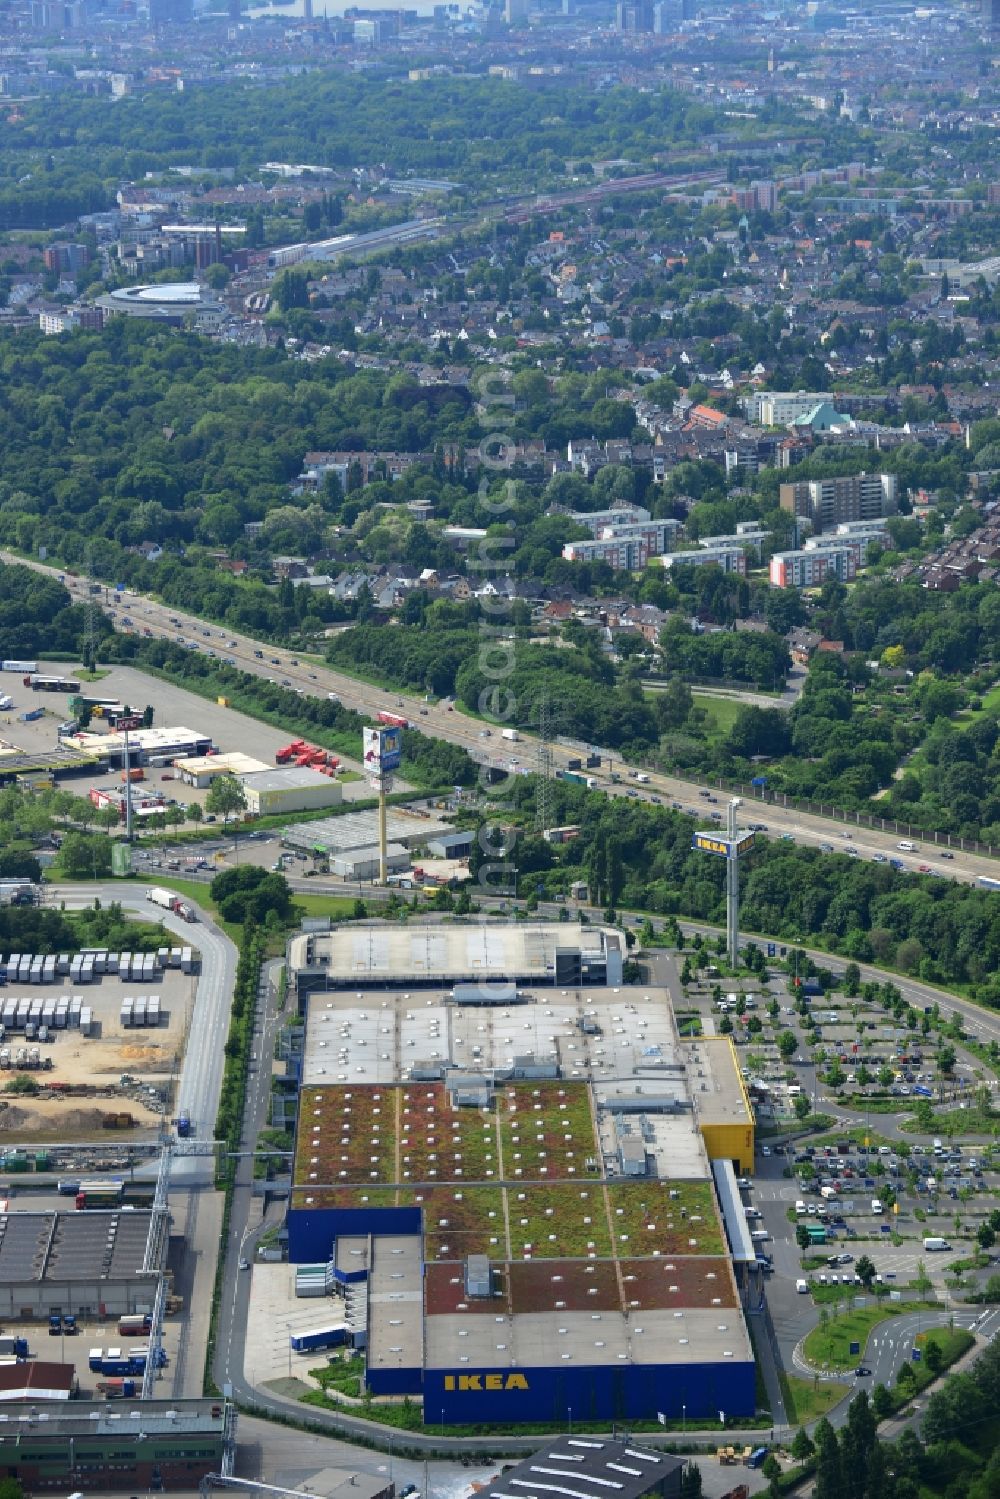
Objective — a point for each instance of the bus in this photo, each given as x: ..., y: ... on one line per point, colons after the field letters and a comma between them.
x: 988, y: 882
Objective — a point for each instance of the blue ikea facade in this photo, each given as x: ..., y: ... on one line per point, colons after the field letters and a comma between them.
x: 627, y: 1392
x: 633, y: 1392
x: 311, y: 1231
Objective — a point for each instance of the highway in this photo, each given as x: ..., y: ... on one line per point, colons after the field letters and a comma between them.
x: 440, y: 720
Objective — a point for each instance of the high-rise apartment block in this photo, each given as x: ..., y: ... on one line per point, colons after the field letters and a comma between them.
x: 826, y: 503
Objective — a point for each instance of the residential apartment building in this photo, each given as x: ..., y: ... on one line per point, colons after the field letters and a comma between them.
x: 598, y: 522
x: 809, y: 568
x: 776, y: 408
x: 627, y: 547
x: 827, y: 503
x: 730, y: 559
x: 748, y: 535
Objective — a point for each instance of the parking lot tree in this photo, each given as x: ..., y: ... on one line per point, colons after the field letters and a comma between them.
x: 725, y: 1026
x: 885, y: 1077
x: 787, y: 1044
x: 802, y: 1236
x: 946, y: 1059
x: 755, y: 1025
x: 864, y: 1269
x: 835, y: 1075
x: 985, y: 1236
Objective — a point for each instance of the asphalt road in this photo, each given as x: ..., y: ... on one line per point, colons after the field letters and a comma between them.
x: 439, y: 720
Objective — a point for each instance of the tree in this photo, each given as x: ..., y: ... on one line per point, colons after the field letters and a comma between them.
x: 985, y: 1236
x: 802, y: 1236
x: 86, y: 856
x: 787, y: 1044
x: 226, y: 796
x: 802, y: 1107
x: 933, y: 1357
x: 882, y: 1403
x: 865, y: 1271
x: 771, y: 1468
x: 691, y: 1481
x: 803, y: 1446
x: 829, y: 1482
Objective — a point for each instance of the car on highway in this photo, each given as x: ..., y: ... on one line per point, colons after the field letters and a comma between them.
x: 862, y: 1371
x: 944, y: 854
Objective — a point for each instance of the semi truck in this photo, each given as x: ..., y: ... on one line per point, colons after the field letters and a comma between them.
x: 134, y: 1326
x: 24, y: 667
x: 13, y: 1347
x: 393, y: 720
x: 318, y: 1337
x: 158, y: 896
x: 100, y: 1194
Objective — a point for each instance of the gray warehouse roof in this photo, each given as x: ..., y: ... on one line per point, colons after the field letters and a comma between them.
x: 73, y: 1246
x: 483, y: 952
x: 585, y: 1468
x: 282, y: 778
x: 360, y: 830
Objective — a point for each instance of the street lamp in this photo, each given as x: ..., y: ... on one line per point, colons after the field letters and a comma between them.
x: 684, y: 1415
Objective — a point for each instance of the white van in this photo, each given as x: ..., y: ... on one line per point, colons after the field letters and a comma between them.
x: 801, y: 1287
x: 800, y: 1208
x: 876, y: 1206
x: 794, y: 1090
x: 759, y: 1234
x: 906, y: 847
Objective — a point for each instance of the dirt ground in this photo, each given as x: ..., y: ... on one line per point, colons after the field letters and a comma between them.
x: 151, y: 1057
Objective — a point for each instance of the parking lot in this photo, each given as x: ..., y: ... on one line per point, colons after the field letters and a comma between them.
x: 893, y: 1159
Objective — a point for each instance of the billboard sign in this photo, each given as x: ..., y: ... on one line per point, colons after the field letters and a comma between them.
x: 711, y: 843
x: 382, y: 750
x: 718, y: 843
x: 130, y: 722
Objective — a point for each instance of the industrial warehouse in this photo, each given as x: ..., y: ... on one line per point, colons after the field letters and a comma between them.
x: 89, y: 1264
x: 516, y: 1178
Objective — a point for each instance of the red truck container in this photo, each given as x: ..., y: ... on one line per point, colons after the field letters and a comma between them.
x: 289, y: 751
x: 394, y: 720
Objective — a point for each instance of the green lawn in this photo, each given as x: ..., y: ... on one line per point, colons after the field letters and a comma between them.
x: 808, y: 1399
x: 722, y: 711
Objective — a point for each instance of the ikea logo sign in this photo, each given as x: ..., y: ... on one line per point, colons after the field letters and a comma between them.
x: 485, y: 1382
